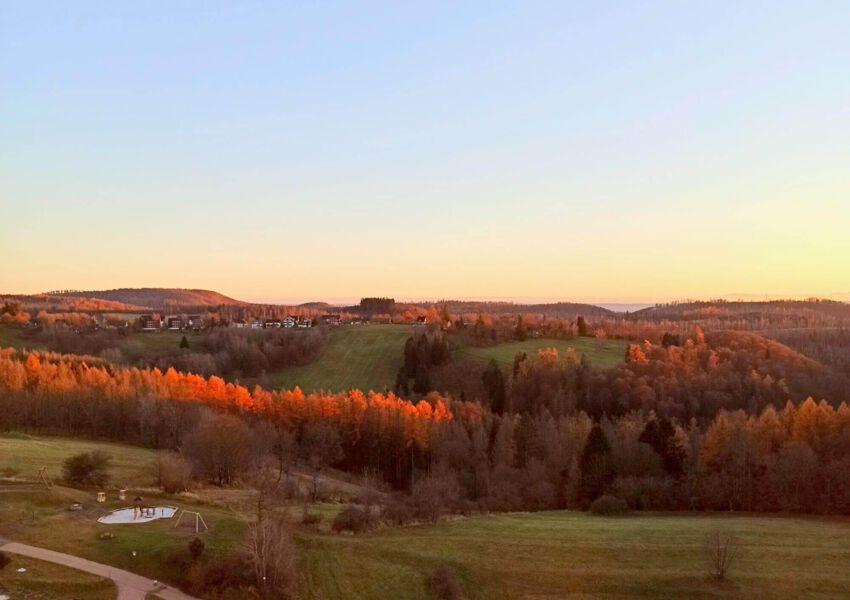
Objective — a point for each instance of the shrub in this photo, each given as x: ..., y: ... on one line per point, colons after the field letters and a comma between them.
x: 173, y: 472
x: 87, y: 468
x: 443, y: 585
x: 352, y: 518
x: 9, y: 471
x: 398, y: 512
x: 196, y: 548
x: 311, y: 518
x: 4, y: 560
x: 720, y: 550
x: 608, y: 505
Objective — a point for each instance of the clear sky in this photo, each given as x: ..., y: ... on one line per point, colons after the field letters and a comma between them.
x: 622, y: 150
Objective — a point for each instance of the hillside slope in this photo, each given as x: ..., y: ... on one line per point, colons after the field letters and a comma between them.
x: 156, y: 298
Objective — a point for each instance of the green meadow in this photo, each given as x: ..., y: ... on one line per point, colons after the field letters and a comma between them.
x: 366, y: 357
x: 602, y: 354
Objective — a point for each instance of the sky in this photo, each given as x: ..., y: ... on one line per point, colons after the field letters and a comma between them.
x: 615, y: 151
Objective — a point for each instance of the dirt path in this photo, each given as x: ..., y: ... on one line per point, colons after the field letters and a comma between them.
x: 130, y: 586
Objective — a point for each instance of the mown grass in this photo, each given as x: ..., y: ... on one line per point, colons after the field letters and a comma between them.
x: 366, y: 357
x: 130, y: 465
x: 576, y: 555
x: 47, y: 581
x: 602, y: 354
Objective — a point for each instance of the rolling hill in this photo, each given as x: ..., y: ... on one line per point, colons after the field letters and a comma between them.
x: 157, y: 298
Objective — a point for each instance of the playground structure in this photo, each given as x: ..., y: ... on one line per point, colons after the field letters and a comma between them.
x: 200, y: 524
x: 44, y: 478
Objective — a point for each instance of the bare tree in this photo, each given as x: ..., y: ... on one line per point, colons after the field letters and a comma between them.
x: 221, y: 447
x: 720, y: 550
x: 272, y: 554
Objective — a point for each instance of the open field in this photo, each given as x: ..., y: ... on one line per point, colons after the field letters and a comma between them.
x: 555, y: 555
x: 47, y: 581
x: 130, y: 465
x: 153, y: 345
x: 362, y: 356
x: 547, y: 555
x: 11, y: 337
x: 601, y: 353
x: 143, y: 345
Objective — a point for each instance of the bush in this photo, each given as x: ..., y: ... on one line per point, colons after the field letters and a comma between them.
x: 196, y: 548
x: 352, y: 518
x: 397, y: 512
x: 311, y: 519
x: 9, y: 471
x: 173, y: 472
x: 608, y: 505
x: 87, y: 468
x: 720, y: 550
x: 4, y: 560
x: 443, y: 585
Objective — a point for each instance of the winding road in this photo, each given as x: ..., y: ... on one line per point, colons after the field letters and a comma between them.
x: 130, y: 586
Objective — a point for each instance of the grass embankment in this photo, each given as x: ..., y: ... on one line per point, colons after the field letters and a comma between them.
x: 27, y: 454
x: 47, y: 581
x: 602, y: 354
x: 365, y: 357
x: 575, y: 555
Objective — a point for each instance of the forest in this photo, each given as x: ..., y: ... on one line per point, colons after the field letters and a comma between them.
x: 705, y: 421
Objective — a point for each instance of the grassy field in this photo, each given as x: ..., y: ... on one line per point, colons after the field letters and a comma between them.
x: 364, y: 356
x: 557, y: 555
x: 601, y: 353
x: 148, y: 346
x: 130, y: 465
x: 34, y: 515
x: 10, y: 337
x: 153, y: 345
x: 518, y: 556
x: 46, y: 581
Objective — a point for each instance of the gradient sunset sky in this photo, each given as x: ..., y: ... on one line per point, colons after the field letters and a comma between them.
x: 276, y: 151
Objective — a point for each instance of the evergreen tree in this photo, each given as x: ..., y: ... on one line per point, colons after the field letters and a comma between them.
x: 494, y: 384
x: 401, y: 387
x: 520, y: 333
x: 184, y: 343
x: 422, y: 383
x: 595, y: 465
x: 519, y: 357
x: 661, y: 436
x: 581, y: 324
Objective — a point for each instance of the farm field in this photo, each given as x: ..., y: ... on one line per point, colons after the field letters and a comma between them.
x: 47, y: 581
x: 601, y: 353
x: 562, y: 554
x: 366, y: 357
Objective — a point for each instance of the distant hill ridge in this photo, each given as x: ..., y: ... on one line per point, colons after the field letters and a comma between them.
x: 156, y: 298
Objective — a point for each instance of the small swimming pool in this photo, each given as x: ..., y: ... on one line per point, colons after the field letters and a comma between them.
x: 132, y: 515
